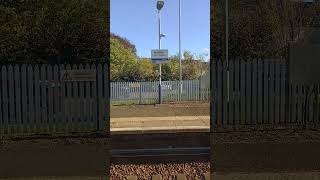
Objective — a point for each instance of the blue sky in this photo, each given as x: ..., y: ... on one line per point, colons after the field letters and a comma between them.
x: 137, y: 21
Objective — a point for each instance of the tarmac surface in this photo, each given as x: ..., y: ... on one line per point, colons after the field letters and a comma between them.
x: 160, y: 118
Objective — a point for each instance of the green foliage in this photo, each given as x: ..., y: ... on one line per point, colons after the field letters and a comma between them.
x: 126, y: 66
x: 125, y: 42
x: 46, y: 31
x: 145, y: 71
x: 171, y: 69
x: 123, y: 61
x: 262, y: 31
x: 192, y: 67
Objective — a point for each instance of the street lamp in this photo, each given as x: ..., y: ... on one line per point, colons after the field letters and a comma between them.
x: 160, y: 4
x: 180, y: 65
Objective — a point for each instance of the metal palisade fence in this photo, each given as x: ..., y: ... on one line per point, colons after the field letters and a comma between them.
x: 36, y: 99
x: 147, y: 92
x: 258, y: 93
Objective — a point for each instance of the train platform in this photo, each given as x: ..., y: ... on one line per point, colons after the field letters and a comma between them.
x: 171, y: 124
x: 167, y: 118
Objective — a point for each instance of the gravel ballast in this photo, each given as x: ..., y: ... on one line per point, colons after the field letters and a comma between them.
x: 168, y: 171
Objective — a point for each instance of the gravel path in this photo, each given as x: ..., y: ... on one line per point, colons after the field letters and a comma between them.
x: 193, y: 171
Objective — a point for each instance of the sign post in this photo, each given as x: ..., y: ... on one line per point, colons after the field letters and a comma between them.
x: 159, y: 56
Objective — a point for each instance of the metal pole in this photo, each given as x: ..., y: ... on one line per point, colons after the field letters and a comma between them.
x: 180, y: 65
x: 160, y: 89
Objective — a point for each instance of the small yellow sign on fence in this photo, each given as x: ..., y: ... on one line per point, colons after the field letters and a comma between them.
x: 134, y: 85
x: 78, y: 75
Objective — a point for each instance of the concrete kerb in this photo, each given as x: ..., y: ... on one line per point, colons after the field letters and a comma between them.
x: 167, y: 129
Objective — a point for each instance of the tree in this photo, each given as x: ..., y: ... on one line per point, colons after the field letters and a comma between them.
x: 123, y: 61
x: 172, y: 68
x: 44, y: 31
x: 260, y: 30
x: 193, y: 67
x: 125, y: 42
x: 216, y: 33
x: 144, y: 70
x: 125, y: 65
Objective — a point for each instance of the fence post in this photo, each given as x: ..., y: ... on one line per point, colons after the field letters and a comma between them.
x: 200, y: 97
x: 100, y: 123
x: 140, y: 89
x: 5, y: 100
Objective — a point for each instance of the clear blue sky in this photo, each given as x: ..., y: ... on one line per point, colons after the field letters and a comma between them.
x: 137, y: 21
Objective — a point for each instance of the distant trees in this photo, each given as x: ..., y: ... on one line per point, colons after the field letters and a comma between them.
x: 46, y: 31
x: 127, y: 66
x: 192, y: 66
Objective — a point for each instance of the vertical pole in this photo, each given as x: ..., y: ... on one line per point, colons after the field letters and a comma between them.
x: 288, y: 83
x: 99, y: 128
x: 305, y: 107
x: 140, y: 88
x: 200, y: 82
x: 159, y: 21
x: 180, y: 65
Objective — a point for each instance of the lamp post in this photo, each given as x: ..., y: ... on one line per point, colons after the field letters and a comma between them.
x: 160, y: 4
x: 180, y: 65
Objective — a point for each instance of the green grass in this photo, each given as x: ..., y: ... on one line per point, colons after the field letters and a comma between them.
x: 132, y: 102
x: 166, y: 98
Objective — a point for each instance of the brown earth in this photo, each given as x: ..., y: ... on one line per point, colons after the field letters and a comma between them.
x: 80, y: 156
x: 266, y: 151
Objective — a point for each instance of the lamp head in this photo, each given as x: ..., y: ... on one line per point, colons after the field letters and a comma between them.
x: 160, y: 4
